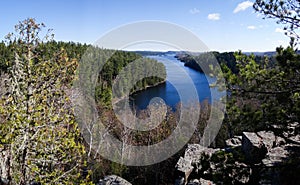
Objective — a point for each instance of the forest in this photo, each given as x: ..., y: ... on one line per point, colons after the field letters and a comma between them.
x: 40, y: 138
x: 224, y: 59
x: 42, y: 142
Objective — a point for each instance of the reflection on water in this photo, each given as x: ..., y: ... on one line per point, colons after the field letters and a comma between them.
x: 183, y: 85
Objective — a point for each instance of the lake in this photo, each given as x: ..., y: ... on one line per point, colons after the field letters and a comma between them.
x: 181, y: 84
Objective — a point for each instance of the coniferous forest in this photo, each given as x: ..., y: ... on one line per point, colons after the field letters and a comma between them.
x: 42, y: 142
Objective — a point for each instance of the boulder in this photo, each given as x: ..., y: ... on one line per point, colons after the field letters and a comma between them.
x: 192, y: 156
x: 254, y: 158
x: 194, y: 182
x: 274, y: 156
x: 292, y: 129
x: 294, y: 139
x: 253, y: 147
x: 268, y: 138
x: 240, y: 173
x: 200, y: 182
x: 279, y: 141
x: 184, y: 166
x: 113, y: 180
x: 270, y: 173
x: 236, y: 141
x: 195, y: 151
x: 206, y: 182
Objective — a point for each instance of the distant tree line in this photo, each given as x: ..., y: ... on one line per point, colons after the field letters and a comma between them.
x: 226, y: 58
x: 112, y: 67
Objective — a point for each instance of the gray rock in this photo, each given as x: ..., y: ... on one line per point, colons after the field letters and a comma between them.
x: 253, y: 147
x: 195, y: 151
x: 275, y: 155
x: 113, y: 180
x: 279, y: 141
x: 192, y: 155
x: 268, y: 138
x: 206, y: 182
x: 200, y: 182
x: 241, y: 173
x: 185, y: 167
x: 194, y: 182
x: 293, y: 129
x: 295, y: 139
x: 236, y: 141
x: 270, y: 173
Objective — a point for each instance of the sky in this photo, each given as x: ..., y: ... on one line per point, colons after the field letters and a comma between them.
x: 222, y: 25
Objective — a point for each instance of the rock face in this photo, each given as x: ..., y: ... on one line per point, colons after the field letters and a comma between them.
x: 200, y: 162
x: 200, y: 182
x: 268, y: 138
x: 193, y: 154
x: 253, y: 158
x: 253, y: 147
x: 113, y: 180
x: 275, y: 155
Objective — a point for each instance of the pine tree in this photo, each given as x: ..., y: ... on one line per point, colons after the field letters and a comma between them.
x: 38, y: 129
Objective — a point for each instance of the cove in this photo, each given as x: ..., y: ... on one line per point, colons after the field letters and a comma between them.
x: 180, y: 82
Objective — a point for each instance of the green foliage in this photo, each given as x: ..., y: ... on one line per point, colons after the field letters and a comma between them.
x: 263, y: 94
x: 39, y: 127
x: 286, y: 12
x: 117, y: 65
x: 6, y: 55
x: 226, y: 58
x: 136, y: 73
x: 111, y: 61
x: 110, y: 65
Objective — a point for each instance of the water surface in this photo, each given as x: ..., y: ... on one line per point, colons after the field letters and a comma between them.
x: 189, y: 83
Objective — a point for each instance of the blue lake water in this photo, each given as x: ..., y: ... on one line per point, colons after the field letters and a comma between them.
x: 183, y: 85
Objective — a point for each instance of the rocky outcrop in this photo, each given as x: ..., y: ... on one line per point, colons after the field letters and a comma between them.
x: 113, y: 180
x: 275, y: 155
x: 202, y: 163
x: 236, y: 141
x: 254, y: 158
x: 200, y: 182
x: 268, y: 139
x: 253, y: 147
x: 193, y: 154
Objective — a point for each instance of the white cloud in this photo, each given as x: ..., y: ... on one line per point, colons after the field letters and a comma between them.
x: 251, y: 27
x: 194, y: 11
x: 214, y: 16
x: 243, y: 6
x: 279, y: 30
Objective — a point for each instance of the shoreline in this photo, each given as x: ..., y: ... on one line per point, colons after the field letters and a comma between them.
x: 113, y: 102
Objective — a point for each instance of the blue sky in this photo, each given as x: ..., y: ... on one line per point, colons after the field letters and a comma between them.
x: 223, y: 25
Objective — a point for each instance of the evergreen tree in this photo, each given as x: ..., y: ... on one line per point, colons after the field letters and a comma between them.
x: 38, y: 128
